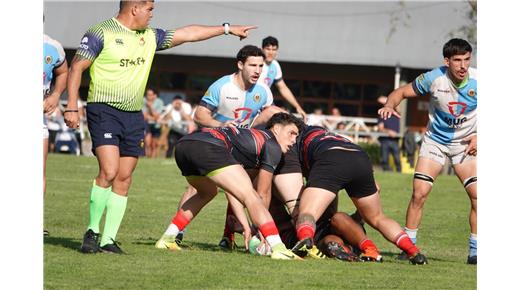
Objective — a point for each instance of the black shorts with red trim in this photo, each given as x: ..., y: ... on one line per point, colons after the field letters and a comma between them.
x: 290, y: 162
x: 198, y: 158
x: 337, y: 169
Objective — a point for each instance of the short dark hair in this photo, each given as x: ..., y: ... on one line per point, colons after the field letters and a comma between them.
x: 269, y: 41
x: 284, y: 119
x: 247, y: 51
x: 124, y: 3
x: 456, y: 46
x: 152, y: 89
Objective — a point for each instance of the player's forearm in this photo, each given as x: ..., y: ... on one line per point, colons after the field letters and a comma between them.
x: 207, y: 121
x: 193, y: 33
x: 395, y: 98
x: 263, y: 188
x: 73, y: 84
x: 238, y: 210
x: 289, y: 97
x: 61, y: 82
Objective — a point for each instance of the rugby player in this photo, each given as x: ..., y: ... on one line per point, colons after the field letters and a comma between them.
x: 337, y: 234
x: 54, y: 66
x: 330, y: 163
x: 218, y: 157
x: 272, y: 74
x: 451, y: 132
x: 119, y: 52
x: 237, y: 100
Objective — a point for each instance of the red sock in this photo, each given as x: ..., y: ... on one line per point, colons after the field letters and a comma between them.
x: 228, y: 232
x: 268, y: 229
x: 180, y: 220
x: 404, y: 243
x: 305, y: 230
x: 366, y: 244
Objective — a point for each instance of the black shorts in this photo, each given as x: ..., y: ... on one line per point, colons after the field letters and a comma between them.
x: 154, y: 130
x: 198, y: 158
x: 290, y: 162
x: 110, y: 126
x: 338, y: 169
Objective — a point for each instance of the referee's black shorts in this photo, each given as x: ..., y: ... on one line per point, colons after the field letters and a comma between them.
x: 110, y: 126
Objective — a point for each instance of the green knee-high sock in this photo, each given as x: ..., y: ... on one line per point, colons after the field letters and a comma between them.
x: 116, y: 207
x: 98, y: 201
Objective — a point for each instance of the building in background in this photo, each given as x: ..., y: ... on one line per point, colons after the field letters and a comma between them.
x: 333, y: 54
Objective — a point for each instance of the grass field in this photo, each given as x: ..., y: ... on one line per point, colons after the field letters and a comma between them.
x: 156, y: 189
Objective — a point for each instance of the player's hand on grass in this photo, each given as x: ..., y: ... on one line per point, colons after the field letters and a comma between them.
x: 471, y: 149
x: 387, y: 112
x: 240, y: 30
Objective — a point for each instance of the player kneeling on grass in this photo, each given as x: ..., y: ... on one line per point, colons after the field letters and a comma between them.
x: 331, y: 163
x: 212, y: 158
x: 337, y: 235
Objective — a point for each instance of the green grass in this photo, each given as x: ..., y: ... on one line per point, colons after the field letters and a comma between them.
x: 156, y: 189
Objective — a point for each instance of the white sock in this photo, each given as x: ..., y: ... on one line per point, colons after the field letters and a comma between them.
x: 172, y: 230
x: 412, y: 234
x: 274, y: 240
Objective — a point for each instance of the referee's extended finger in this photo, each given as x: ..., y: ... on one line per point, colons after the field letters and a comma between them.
x: 250, y: 27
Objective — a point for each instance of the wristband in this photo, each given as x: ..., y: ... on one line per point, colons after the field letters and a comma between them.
x: 226, y: 28
x: 71, y: 111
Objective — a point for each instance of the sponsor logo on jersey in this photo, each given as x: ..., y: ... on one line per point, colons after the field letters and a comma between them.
x: 84, y: 42
x: 447, y: 91
x: 48, y: 59
x: 457, y: 108
x: 126, y: 62
x: 471, y: 93
x: 231, y: 98
x: 256, y: 98
x: 141, y: 41
x: 119, y: 41
x: 238, y: 112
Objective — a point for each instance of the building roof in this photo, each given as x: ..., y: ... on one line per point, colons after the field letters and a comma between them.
x: 410, y: 34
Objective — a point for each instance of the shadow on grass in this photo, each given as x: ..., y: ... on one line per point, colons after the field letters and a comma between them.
x: 191, y: 245
x: 70, y: 243
x: 393, y: 256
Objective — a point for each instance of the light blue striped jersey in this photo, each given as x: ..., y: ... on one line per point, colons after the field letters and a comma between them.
x: 53, y: 57
x: 228, y: 102
x: 271, y: 73
x: 452, y: 110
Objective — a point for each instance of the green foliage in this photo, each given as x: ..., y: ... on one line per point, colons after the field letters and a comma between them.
x: 373, y: 150
x: 156, y: 189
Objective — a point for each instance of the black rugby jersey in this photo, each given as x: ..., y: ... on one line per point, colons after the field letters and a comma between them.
x: 252, y: 148
x: 315, y: 140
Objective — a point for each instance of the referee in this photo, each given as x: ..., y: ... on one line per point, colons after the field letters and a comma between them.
x: 119, y: 52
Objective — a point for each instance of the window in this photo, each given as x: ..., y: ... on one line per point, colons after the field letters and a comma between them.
x: 347, y: 91
x: 172, y: 80
x: 200, y: 82
x: 348, y: 110
x: 294, y: 85
x: 316, y: 89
